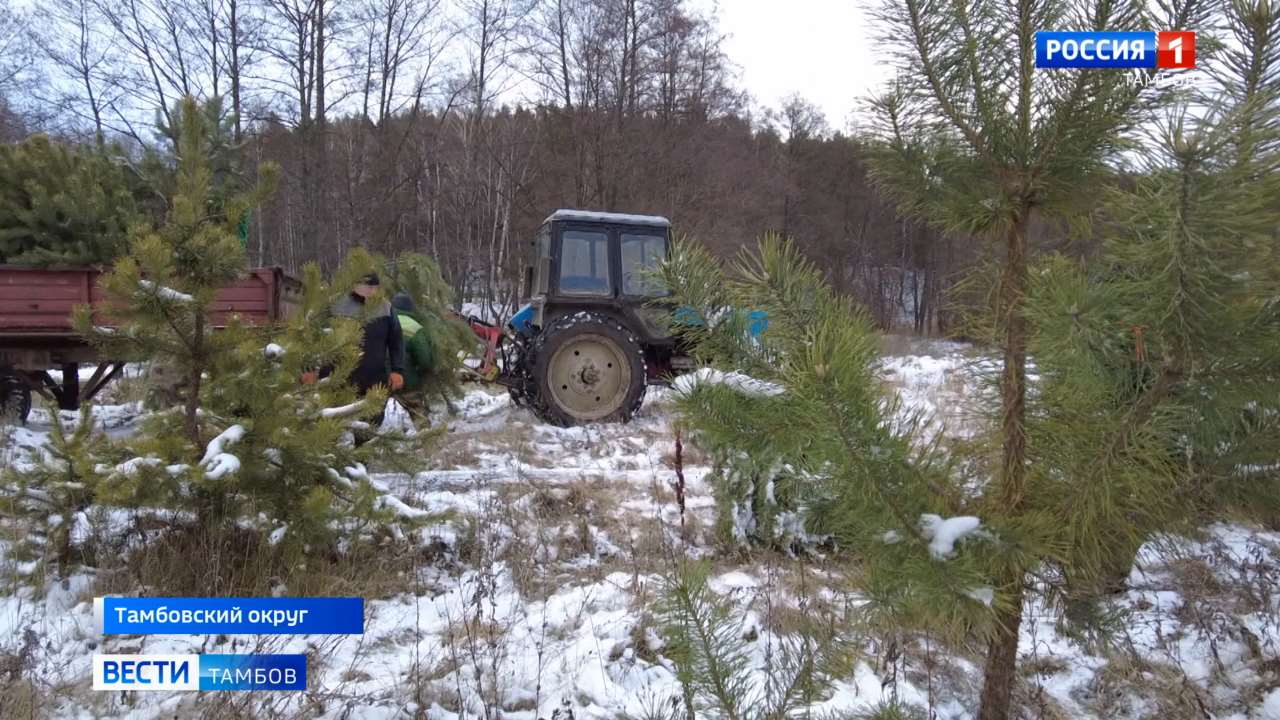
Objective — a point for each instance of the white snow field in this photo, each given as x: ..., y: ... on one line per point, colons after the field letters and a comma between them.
x: 535, y: 600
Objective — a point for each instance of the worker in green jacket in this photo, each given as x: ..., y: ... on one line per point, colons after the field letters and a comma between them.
x: 417, y: 348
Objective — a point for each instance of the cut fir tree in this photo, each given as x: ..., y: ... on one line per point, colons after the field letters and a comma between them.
x: 61, y: 205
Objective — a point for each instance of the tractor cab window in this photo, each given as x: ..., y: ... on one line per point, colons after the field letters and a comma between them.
x: 641, y: 257
x: 584, y: 263
x: 542, y: 261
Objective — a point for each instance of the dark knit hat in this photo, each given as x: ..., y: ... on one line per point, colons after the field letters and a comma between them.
x: 402, y: 301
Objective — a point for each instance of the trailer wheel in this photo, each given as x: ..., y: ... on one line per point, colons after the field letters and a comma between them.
x: 15, y: 398
x: 587, y: 368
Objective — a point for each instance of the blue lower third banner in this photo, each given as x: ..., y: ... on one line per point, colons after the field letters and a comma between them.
x: 251, y: 616
x: 199, y: 672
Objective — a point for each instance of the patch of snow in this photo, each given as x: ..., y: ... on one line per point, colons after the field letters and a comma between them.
x: 273, y: 351
x: 943, y: 534
x: 582, y: 642
x: 608, y: 217
x: 740, y: 382
x: 731, y: 581
x: 167, y: 293
x: 488, y: 312
x: 1271, y: 706
x: 984, y: 595
x: 395, y: 418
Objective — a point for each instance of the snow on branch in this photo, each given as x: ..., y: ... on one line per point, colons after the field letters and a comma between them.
x: 984, y: 595
x: 358, y: 473
x: 216, y: 461
x: 396, y: 505
x: 943, y: 534
x: 128, y: 468
x: 743, y: 383
x: 167, y: 293
x: 342, y: 410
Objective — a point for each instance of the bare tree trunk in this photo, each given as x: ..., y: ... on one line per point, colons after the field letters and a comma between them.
x: 321, y: 231
x: 562, y: 39
x: 321, y: 32
x: 233, y: 29
x: 191, y: 412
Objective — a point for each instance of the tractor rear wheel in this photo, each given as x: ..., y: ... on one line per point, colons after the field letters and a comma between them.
x: 587, y: 368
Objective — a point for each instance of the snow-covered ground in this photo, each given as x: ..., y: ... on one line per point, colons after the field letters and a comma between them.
x: 549, y: 551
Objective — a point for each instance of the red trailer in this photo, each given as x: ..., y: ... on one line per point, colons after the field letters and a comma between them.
x: 36, y: 334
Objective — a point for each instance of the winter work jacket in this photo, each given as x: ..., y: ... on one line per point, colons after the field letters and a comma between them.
x: 417, y: 350
x: 382, y: 346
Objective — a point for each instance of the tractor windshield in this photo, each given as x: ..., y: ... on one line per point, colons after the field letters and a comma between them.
x: 584, y: 263
x: 642, y: 254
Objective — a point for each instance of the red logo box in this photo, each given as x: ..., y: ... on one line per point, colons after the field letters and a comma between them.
x: 1176, y: 50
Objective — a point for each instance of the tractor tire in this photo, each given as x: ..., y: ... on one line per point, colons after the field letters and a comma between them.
x: 15, y: 399
x: 587, y: 368
x: 516, y: 367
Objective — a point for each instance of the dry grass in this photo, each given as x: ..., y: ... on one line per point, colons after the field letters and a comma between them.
x: 907, y: 343
x: 185, y: 559
x: 126, y: 388
x: 461, y: 448
x: 1128, y: 683
x: 20, y: 695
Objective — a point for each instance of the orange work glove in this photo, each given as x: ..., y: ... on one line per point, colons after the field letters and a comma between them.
x: 397, y: 381
x: 310, y: 377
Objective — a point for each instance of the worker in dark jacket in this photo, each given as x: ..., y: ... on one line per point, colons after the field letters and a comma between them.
x: 382, y: 345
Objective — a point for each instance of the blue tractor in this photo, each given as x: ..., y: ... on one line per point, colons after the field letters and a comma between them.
x: 589, y: 341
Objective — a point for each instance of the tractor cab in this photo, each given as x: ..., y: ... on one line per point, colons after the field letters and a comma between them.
x: 605, y: 262
x: 589, y: 340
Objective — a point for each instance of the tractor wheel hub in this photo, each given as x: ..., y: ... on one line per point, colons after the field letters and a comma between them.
x: 589, y: 377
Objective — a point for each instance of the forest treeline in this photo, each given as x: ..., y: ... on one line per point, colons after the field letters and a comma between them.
x: 454, y: 129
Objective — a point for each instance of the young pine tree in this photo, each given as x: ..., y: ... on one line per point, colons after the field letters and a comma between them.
x: 816, y: 414
x: 975, y: 139
x: 1159, y: 363
x: 706, y: 639
x: 162, y: 290
x: 223, y: 153
x: 249, y: 445
x: 296, y: 463
x: 46, y: 492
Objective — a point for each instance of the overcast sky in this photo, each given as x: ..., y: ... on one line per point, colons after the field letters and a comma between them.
x: 818, y: 48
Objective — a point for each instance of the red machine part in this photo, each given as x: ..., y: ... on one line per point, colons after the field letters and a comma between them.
x: 490, y: 336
